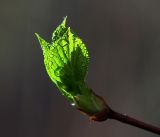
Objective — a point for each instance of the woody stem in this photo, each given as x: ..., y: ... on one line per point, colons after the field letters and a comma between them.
x: 134, y: 122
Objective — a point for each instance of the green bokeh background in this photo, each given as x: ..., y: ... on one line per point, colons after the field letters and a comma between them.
x: 123, y: 38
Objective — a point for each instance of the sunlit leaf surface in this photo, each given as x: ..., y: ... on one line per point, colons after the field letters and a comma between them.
x: 66, y: 60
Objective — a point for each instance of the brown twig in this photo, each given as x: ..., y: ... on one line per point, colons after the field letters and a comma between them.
x: 131, y: 121
x: 108, y: 113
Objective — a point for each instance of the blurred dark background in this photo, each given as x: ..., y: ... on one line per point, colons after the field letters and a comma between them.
x: 123, y: 38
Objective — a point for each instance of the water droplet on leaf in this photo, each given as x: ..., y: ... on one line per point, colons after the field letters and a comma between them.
x: 73, y: 104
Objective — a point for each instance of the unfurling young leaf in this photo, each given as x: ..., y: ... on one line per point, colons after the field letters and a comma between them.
x: 66, y: 60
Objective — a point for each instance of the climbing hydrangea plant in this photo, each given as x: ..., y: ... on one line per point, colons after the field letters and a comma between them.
x: 66, y: 60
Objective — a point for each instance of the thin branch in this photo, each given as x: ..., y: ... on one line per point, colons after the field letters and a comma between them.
x: 134, y: 122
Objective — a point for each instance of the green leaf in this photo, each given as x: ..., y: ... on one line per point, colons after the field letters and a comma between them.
x: 66, y: 60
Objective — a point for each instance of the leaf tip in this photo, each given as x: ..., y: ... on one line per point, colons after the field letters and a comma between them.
x: 43, y: 43
x: 36, y: 34
x: 64, y: 21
